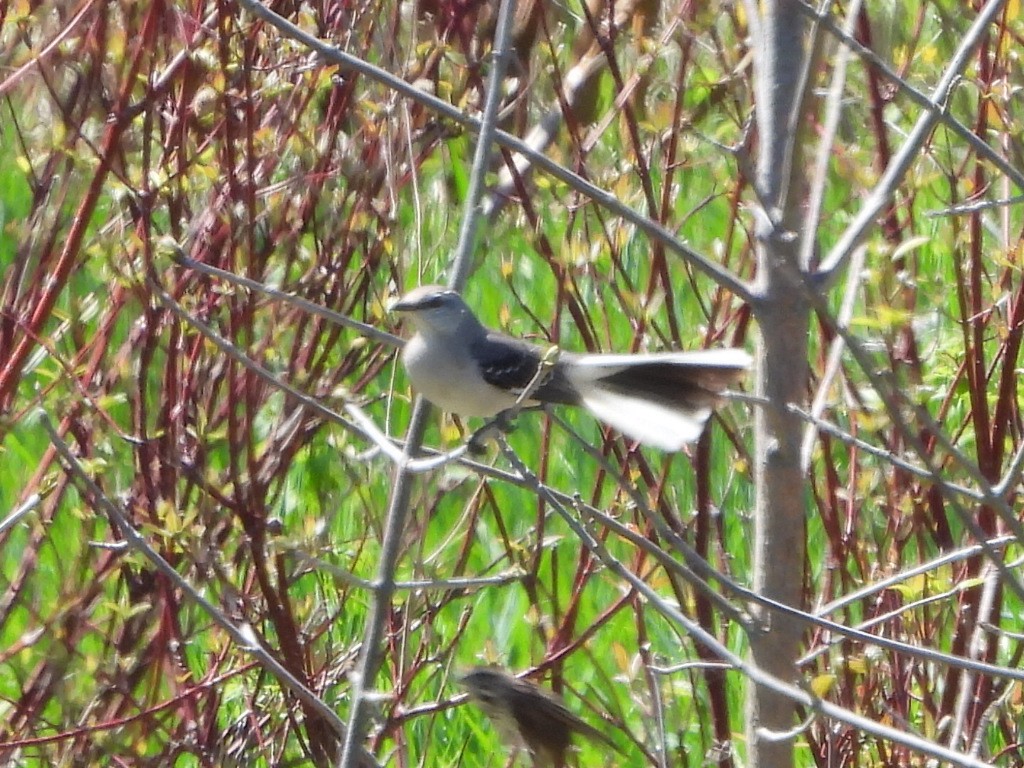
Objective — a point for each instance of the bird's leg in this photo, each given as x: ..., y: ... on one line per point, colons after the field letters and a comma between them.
x: 504, y: 422
x: 477, y: 443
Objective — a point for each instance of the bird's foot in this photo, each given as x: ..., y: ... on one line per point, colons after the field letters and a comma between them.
x: 504, y: 422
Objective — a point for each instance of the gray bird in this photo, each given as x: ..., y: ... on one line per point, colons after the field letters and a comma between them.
x: 661, y: 399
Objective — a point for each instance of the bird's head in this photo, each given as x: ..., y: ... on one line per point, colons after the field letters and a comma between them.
x: 435, y: 309
x: 487, y: 685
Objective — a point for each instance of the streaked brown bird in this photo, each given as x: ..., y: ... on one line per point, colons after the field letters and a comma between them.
x: 527, y: 716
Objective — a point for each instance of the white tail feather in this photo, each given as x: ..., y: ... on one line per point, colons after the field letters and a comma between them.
x: 645, y: 420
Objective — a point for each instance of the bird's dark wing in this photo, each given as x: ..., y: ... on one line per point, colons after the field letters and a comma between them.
x: 511, y: 364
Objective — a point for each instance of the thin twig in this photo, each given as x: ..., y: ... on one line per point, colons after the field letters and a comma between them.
x: 369, y: 331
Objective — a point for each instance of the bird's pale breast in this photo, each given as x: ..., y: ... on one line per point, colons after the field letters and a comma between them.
x: 451, y: 384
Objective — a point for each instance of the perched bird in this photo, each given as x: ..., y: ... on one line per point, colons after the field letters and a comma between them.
x: 528, y: 716
x: 661, y: 399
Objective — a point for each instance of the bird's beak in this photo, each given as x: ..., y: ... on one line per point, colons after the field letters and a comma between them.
x: 400, y: 305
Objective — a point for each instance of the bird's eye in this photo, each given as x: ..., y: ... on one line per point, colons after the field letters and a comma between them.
x: 432, y: 302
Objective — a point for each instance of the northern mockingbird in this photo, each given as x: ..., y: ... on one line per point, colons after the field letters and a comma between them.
x: 459, y: 365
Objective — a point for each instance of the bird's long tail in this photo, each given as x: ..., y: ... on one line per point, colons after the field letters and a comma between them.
x: 661, y: 399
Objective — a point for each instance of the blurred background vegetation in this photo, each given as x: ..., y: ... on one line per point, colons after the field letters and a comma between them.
x: 134, y: 132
